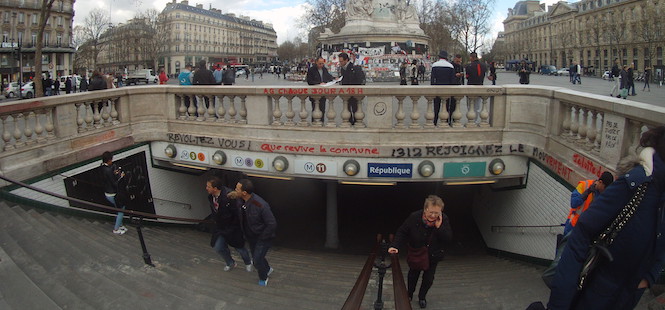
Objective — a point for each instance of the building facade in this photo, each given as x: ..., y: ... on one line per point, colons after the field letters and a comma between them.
x: 19, y: 25
x: 590, y: 32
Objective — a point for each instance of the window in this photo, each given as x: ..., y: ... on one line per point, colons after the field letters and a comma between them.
x: 34, y: 38
x: 634, y: 53
x: 21, y: 18
x: 58, y: 41
x: 34, y: 19
x: 47, y: 38
x: 59, y: 21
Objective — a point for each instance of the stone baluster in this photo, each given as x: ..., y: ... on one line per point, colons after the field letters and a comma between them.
x: 635, y: 134
x: 27, y: 128
x: 331, y: 114
x: 485, y: 113
x: 400, y: 115
x: 599, y: 133
x: 574, y: 124
x: 39, y: 129
x: 303, y: 114
x: 276, y: 111
x: 429, y: 114
x: 89, y: 107
x: 360, y: 114
x: 221, y: 111
x: 444, y: 115
x: 97, y: 109
x: 581, y: 131
x: 17, y: 132
x: 243, y: 110
x: 591, y: 131
x: 290, y: 114
x: 316, y: 113
x: 415, y: 114
x: 200, y: 108
x: 106, y: 112
x: 50, y: 134
x: 232, y: 110
x: 6, y: 135
x: 211, y: 117
x: 471, y: 113
x: 346, y: 114
x: 193, y: 107
x: 565, y: 126
x: 182, y: 109
x: 79, y: 118
x: 457, y: 114
x: 113, y: 102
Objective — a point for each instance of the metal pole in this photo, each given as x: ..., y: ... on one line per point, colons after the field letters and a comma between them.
x: 146, y: 255
x: 382, y: 267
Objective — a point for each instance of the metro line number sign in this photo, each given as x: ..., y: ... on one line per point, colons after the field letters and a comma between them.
x: 328, y: 168
x: 195, y: 156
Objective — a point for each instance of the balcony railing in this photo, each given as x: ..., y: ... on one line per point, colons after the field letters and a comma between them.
x: 564, y: 129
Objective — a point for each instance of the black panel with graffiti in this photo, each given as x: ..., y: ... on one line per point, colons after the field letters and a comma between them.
x: 133, y: 189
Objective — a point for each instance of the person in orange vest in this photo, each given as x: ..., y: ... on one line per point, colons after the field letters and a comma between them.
x: 582, y: 197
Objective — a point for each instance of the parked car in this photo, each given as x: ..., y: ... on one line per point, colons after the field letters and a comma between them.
x: 63, y: 79
x: 606, y: 75
x: 563, y: 71
x: 11, y: 90
x: 240, y: 72
x: 28, y: 90
x: 548, y: 69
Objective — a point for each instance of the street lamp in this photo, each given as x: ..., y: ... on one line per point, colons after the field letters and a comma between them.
x: 19, y: 55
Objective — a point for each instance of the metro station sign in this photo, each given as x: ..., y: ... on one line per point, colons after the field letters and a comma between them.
x: 380, y: 170
x: 316, y: 167
x: 463, y: 170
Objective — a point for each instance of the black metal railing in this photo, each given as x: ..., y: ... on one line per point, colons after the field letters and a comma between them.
x: 499, y: 228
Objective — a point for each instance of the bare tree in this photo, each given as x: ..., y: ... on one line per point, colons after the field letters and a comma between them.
x: 321, y: 14
x: 435, y: 18
x: 89, y: 35
x: 615, y: 31
x: 470, y: 22
x: 44, y: 14
x: 154, y: 38
x: 596, y: 28
x: 650, y: 29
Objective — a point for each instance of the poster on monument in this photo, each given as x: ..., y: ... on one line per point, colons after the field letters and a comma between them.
x: 612, y: 137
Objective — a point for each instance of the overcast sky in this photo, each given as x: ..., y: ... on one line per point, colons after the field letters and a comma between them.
x: 283, y: 14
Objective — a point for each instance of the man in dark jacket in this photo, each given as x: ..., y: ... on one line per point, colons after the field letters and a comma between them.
x: 111, y: 175
x: 318, y: 75
x: 475, y: 75
x: 203, y: 76
x: 225, y: 213
x: 443, y: 73
x: 428, y: 228
x: 351, y: 75
x: 258, y: 225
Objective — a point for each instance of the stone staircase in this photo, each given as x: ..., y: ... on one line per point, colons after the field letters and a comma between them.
x: 55, y: 261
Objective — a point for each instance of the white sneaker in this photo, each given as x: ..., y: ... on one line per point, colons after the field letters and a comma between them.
x: 229, y: 267
x: 123, y: 228
x: 270, y: 271
x: 248, y: 268
x: 119, y: 231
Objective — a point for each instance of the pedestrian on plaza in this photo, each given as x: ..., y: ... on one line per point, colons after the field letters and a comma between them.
x: 572, y: 71
x: 492, y: 68
x: 443, y: 73
x: 225, y: 212
x: 616, y: 74
x: 75, y: 80
x: 423, y: 234
x: 459, y: 69
x: 218, y: 74
x: 109, y: 81
x: 246, y: 73
x: 475, y: 75
x: 203, y: 76
x: 251, y: 72
x: 97, y: 82
x: 582, y: 197
x: 84, y: 83
x: 163, y: 78
x: 258, y: 225
x: 637, y: 250
x: 421, y: 71
x: 413, y: 72
x: 185, y: 79
x: 524, y: 71
x: 578, y: 73
x: 112, y: 174
x: 402, y: 73
x: 318, y: 75
x: 351, y: 75
x: 56, y: 86
x: 631, y: 79
x: 68, y: 85
x: 229, y: 76
x: 46, y: 84
x: 647, y: 77
x: 623, y: 85
x: 118, y: 78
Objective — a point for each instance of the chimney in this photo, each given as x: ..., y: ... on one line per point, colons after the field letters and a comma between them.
x: 185, y: 2
x: 199, y: 6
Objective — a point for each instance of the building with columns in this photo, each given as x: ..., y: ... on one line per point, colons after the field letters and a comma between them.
x: 590, y: 32
x: 19, y: 21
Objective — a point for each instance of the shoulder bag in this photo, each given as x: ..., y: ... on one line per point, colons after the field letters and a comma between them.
x: 418, y: 258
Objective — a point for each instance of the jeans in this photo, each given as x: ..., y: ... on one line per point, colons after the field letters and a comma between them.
x: 259, y: 250
x: 353, y: 107
x: 616, y: 86
x: 118, y: 218
x: 223, y: 250
x: 428, y: 279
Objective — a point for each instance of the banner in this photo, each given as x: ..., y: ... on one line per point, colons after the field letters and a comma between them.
x: 371, y: 51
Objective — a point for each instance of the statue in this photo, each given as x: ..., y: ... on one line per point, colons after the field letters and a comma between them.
x: 404, y: 12
x: 359, y: 9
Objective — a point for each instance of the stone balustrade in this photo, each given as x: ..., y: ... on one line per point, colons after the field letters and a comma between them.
x: 561, y: 125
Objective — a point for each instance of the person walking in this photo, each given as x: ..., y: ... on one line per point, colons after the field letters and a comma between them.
x: 443, y: 73
x: 637, y: 250
x: 492, y: 76
x: 402, y: 73
x: 163, y: 78
x: 631, y: 80
x: 225, y: 212
x: 647, y: 78
x: 524, y: 72
x: 616, y: 74
x: 424, y: 234
x: 258, y: 225
x: 111, y: 175
x: 413, y: 72
x: 68, y: 85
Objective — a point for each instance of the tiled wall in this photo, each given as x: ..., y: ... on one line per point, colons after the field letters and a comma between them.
x: 544, y: 201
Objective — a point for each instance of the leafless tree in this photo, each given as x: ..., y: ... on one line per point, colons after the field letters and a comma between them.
x: 650, y: 28
x: 435, y: 20
x: 321, y: 14
x: 470, y: 22
x: 596, y: 28
x: 615, y: 30
x: 89, y: 35
x: 44, y: 14
x: 154, y: 38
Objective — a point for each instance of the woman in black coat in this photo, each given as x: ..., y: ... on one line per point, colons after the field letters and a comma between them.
x: 638, y: 250
x: 428, y: 228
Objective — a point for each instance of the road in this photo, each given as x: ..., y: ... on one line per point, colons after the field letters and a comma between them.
x: 590, y: 85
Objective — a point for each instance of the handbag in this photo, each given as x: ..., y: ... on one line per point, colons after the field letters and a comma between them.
x: 418, y: 258
x: 599, y: 247
x: 548, y: 274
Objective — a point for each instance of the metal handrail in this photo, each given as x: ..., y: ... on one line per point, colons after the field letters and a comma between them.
x: 355, y: 299
x: 400, y: 293
x: 496, y: 228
